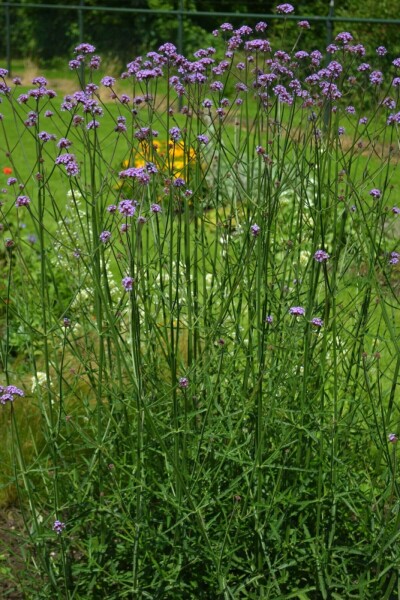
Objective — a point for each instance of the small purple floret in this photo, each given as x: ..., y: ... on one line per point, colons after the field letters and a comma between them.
x: 175, y: 134
x: 22, y: 201
x: 127, y: 283
x: 203, y: 139
x: 321, y: 256
x: 375, y: 193
x: 127, y: 208
x: 317, y: 322
x: 285, y: 9
x: 58, y: 527
x: 303, y: 25
x: 85, y: 48
x: 105, y: 236
x: 183, y: 382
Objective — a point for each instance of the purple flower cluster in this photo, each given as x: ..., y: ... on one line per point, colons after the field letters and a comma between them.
x: 22, y: 201
x: 46, y: 137
x: 70, y: 163
x: 303, y: 25
x: 83, y: 100
x: 36, y: 93
x: 344, y: 37
x: 183, y: 382
x: 175, y: 134
x: 179, y: 182
x: 120, y: 127
x: 8, y: 393
x: 63, y: 143
x: 321, y: 256
x: 279, y: 68
x: 127, y: 207
x: 127, y: 283
x: 84, y: 48
x: 257, y: 46
x: 31, y: 119
x: 286, y: 9
x: 393, y: 119
x: 58, y: 527
x: 145, y: 133
x: 105, y: 236
x: 317, y: 322
x: 376, y: 78
x: 375, y: 193
x: 108, y: 81
x: 139, y: 174
x: 261, y: 26
x: 297, y: 311
x: 202, y: 138
x: 92, y: 125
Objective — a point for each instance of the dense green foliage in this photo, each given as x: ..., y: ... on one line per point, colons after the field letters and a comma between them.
x: 45, y: 33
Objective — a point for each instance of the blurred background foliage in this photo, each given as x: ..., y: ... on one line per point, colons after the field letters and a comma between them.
x: 44, y: 33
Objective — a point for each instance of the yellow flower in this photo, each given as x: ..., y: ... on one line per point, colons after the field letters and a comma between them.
x: 171, y: 158
x: 140, y: 162
x: 178, y: 167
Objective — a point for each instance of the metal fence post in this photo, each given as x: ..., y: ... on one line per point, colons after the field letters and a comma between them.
x: 8, y: 39
x: 81, y: 33
x: 80, y: 20
x: 329, y: 23
x: 180, y: 27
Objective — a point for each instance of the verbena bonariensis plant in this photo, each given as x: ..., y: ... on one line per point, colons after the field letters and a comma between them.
x: 202, y: 319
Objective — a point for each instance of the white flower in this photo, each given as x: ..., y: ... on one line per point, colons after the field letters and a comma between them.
x: 209, y: 278
x: 304, y: 257
x: 75, y: 193
x: 39, y: 380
